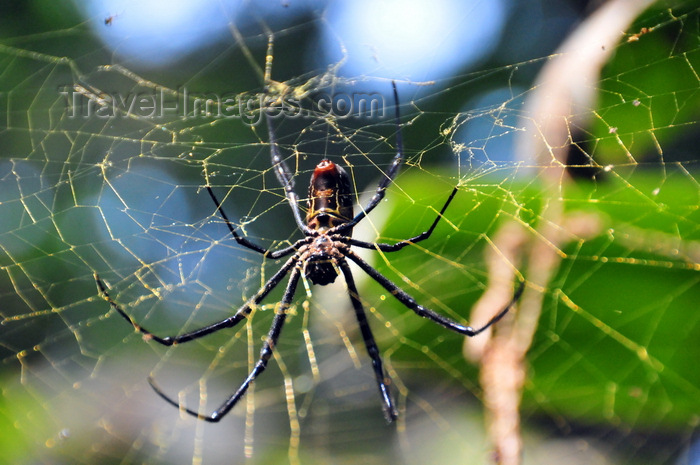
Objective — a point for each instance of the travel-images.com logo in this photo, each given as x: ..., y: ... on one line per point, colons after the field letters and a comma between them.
x: 162, y: 103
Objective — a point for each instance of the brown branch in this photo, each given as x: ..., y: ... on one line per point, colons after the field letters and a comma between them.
x: 564, y: 90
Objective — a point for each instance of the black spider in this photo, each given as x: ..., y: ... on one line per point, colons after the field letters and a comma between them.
x: 320, y: 255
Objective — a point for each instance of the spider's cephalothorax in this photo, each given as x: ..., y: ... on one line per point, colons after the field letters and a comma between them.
x: 319, y: 258
x: 321, y: 254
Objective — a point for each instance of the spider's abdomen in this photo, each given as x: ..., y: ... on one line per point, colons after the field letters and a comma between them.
x: 330, y: 199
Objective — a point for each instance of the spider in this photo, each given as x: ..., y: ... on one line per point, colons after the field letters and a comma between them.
x: 321, y: 255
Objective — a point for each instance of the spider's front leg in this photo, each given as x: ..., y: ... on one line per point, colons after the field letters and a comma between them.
x: 389, y: 175
x: 244, y: 241
x: 285, y: 177
x: 401, y: 244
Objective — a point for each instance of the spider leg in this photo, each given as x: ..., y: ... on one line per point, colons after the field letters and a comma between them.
x: 383, y: 379
x: 401, y: 244
x: 229, y: 322
x: 388, y: 175
x: 265, y: 354
x: 425, y: 312
x: 244, y: 241
x: 285, y: 178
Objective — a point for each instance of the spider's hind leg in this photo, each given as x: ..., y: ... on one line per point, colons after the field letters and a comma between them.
x: 383, y: 379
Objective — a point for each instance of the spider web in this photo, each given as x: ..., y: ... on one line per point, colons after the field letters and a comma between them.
x: 595, y: 206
